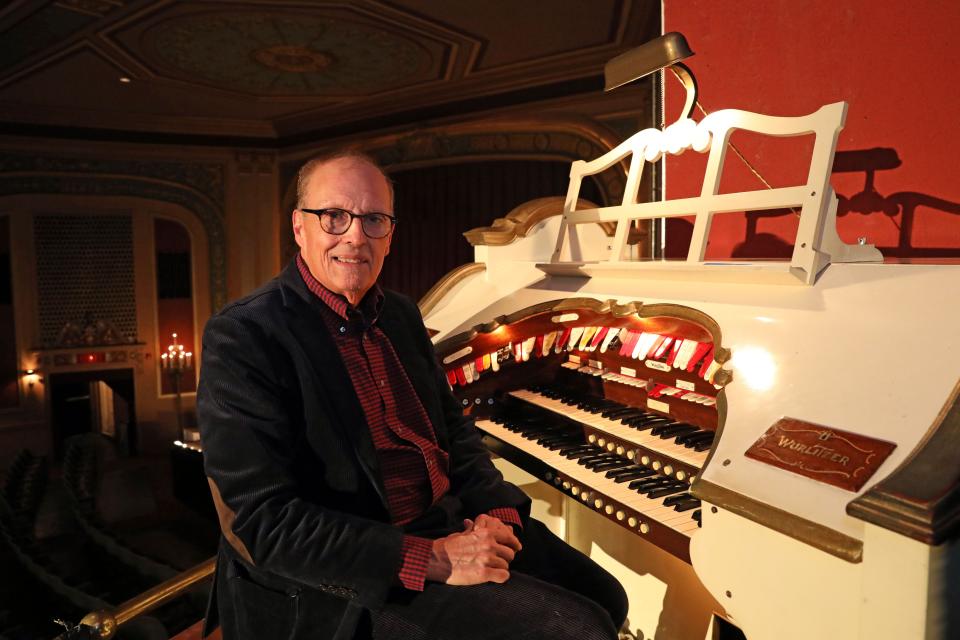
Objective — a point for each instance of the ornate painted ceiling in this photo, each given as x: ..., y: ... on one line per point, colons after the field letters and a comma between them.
x: 281, y: 72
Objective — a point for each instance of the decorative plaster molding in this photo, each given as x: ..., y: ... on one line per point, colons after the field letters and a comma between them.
x: 197, y: 187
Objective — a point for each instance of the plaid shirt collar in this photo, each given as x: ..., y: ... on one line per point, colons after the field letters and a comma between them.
x: 367, y: 311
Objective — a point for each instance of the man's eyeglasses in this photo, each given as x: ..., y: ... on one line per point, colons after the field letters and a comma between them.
x: 338, y: 221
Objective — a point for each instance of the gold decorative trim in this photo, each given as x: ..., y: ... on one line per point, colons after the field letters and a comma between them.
x: 806, y: 531
x: 106, y: 623
x: 721, y: 354
x: 522, y: 219
x: 446, y: 283
x: 921, y: 498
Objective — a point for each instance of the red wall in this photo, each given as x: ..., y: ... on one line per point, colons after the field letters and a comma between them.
x: 894, y: 63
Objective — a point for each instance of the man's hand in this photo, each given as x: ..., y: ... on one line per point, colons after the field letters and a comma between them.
x: 481, y: 553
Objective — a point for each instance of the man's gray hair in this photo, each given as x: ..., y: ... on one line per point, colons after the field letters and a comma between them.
x: 311, y: 165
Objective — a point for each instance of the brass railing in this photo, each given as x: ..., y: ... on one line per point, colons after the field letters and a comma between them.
x: 102, y: 625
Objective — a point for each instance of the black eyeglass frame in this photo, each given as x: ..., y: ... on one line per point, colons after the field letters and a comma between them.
x: 362, y: 216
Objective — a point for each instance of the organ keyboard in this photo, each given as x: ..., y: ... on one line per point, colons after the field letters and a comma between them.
x: 667, y: 405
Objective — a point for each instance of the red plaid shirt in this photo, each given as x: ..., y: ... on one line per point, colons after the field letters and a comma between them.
x: 413, y: 466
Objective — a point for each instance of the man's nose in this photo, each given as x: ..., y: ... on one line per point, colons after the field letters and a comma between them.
x: 354, y: 233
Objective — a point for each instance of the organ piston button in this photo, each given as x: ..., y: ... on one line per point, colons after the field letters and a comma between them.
x: 548, y: 476
x: 632, y: 521
x: 566, y: 484
x: 575, y: 490
x: 644, y: 528
x: 681, y: 475
x: 591, y: 438
x: 611, y: 446
x: 598, y: 503
x: 631, y: 455
x: 602, y: 442
x: 620, y: 451
x: 609, y: 509
x: 668, y: 470
x: 656, y: 465
x: 645, y: 459
x: 621, y: 515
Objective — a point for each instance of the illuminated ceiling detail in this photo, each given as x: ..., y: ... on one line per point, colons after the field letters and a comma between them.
x: 287, y: 54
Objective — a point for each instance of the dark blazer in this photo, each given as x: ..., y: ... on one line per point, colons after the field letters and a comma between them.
x: 307, y: 544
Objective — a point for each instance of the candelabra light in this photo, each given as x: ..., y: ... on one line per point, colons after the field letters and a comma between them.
x: 174, y: 362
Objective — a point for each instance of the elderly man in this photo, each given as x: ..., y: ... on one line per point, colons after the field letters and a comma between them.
x: 355, y: 499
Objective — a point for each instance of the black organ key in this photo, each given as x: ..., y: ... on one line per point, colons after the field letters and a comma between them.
x: 667, y: 490
x: 677, y: 430
x: 635, y: 414
x: 613, y: 464
x: 663, y: 430
x: 590, y: 461
x: 555, y: 446
x: 634, y: 476
x: 672, y: 500
x: 688, y: 439
x: 576, y: 448
x: 591, y: 452
x: 703, y: 446
x: 647, y: 419
x: 617, y: 413
x: 648, y: 484
x: 649, y: 424
x: 696, y: 516
x: 687, y: 505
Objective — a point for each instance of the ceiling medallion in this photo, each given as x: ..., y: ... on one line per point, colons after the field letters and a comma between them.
x: 287, y: 53
x: 293, y: 58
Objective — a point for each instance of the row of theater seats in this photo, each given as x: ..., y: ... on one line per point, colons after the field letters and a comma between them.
x: 30, y: 596
x: 72, y: 574
x: 80, y: 482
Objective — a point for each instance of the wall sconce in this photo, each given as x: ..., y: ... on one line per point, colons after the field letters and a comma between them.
x: 665, y: 52
x: 31, y: 377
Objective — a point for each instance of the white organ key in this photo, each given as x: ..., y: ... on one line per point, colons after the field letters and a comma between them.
x: 687, y: 347
x: 467, y: 373
x: 473, y: 370
x: 574, y: 337
x: 607, y: 339
x: 587, y: 336
x: 647, y: 508
x: 526, y: 347
x: 548, y: 341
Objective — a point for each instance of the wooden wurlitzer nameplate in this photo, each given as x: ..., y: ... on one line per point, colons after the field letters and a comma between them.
x: 843, y: 459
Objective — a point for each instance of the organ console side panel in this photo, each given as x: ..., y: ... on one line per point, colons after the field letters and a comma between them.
x: 634, y: 390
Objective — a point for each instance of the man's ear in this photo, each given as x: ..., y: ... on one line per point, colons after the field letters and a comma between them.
x: 296, y: 220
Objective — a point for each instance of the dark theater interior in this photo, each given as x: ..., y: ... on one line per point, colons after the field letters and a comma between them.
x: 149, y: 152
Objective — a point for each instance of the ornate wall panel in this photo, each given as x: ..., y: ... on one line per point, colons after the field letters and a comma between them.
x: 197, y: 187
x: 85, y: 279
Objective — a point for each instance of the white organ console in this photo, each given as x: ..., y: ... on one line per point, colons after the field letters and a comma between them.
x: 775, y: 444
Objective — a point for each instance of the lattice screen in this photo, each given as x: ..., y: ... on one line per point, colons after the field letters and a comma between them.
x: 84, y: 269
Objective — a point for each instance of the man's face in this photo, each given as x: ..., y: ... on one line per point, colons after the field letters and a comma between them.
x: 347, y: 264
